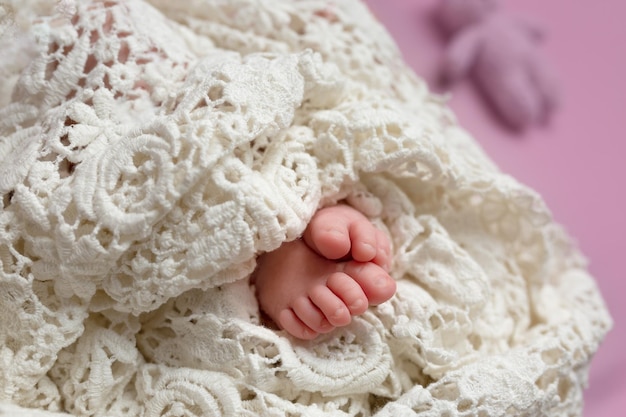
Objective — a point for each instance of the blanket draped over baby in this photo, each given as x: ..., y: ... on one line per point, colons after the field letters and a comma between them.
x: 150, y: 151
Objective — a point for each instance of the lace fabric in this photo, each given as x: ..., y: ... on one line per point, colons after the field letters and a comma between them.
x: 149, y: 151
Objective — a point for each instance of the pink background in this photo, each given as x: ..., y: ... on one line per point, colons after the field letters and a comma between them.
x: 578, y: 162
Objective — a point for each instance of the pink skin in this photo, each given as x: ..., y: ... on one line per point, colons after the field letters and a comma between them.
x: 337, y: 270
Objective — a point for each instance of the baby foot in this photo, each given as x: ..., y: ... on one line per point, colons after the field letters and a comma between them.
x: 340, y: 232
x: 306, y: 290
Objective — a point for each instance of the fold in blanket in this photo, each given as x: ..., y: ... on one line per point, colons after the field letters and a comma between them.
x: 149, y: 152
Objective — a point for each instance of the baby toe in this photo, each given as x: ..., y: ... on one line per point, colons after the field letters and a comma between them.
x: 373, y: 280
x: 289, y: 322
x: 383, y: 252
x: 328, y: 235
x: 334, y: 309
x: 349, y: 291
x: 363, y: 239
x: 311, y: 315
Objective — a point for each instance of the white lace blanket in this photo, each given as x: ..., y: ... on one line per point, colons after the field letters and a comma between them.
x: 148, y: 154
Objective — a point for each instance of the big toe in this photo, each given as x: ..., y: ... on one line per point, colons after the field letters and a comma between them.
x: 375, y: 282
x: 340, y: 232
x: 364, y: 238
x: 328, y: 235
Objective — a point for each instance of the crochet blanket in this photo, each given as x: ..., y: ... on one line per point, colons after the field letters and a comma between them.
x: 150, y: 151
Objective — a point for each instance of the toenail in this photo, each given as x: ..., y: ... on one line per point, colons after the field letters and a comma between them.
x: 356, y: 305
x: 336, y: 232
x: 325, y: 325
x: 381, y: 281
x: 368, y: 246
x: 338, y: 313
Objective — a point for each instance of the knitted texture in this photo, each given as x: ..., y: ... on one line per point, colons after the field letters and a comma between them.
x: 149, y: 152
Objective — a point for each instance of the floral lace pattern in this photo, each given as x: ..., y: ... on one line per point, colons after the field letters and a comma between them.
x: 149, y: 151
